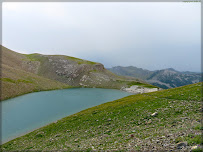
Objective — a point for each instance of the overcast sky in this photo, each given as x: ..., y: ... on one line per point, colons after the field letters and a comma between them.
x: 147, y: 35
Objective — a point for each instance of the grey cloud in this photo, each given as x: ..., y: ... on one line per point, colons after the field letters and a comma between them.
x: 147, y: 35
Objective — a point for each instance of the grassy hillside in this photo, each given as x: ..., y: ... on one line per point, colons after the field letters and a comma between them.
x: 125, y: 124
x: 17, y: 82
x: 17, y: 78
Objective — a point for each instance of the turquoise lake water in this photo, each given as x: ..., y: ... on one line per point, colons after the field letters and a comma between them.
x: 28, y: 112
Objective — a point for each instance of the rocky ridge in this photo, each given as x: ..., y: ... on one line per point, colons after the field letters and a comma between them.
x: 77, y: 72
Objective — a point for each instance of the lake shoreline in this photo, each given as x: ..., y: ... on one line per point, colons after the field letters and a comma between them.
x: 69, y: 104
x: 67, y: 87
x: 132, y: 121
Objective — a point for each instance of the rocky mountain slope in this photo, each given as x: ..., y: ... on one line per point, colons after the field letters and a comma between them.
x: 166, y: 78
x: 75, y: 72
x: 24, y: 73
x: 167, y: 120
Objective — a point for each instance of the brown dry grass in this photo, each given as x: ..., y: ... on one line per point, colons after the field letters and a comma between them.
x: 17, y: 79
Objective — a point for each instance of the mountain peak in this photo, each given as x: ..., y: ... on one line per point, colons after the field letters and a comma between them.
x: 165, y: 78
x: 171, y: 69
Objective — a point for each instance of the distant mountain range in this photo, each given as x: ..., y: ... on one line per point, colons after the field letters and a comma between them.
x: 166, y: 78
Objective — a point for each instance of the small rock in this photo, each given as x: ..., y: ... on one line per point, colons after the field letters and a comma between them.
x: 57, y: 135
x: 154, y: 114
x: 40, y: 134
x: 169, y: 135
x: 109, y: 119
x: 181, y: 145
x: 129, y: 144
x: 150, y: 121
x: 194, y: 147
x: 108, y: 131
x: 76, y: 140
x: 165, y: 145
x: 108, y: 124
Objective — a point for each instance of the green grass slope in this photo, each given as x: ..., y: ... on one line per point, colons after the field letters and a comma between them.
x: 17, y: 78
x: 124, y: 124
